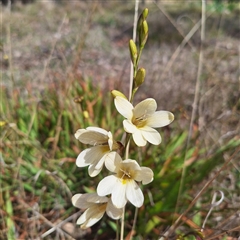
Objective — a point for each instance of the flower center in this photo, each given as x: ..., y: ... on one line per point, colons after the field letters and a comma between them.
x: 97, y: 208
x: 125, y: 174
x: 139, y: 121
x: 104, y: 148
x: 102, y: 207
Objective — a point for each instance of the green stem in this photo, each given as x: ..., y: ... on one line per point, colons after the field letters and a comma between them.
x: 138, y: 57
x: 135, y: 68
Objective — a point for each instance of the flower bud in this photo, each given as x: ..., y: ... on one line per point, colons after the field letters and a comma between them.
x: 140, y: 76
x: 116, y: 93
x: 141, y: 18
x: 86, y: 114
x: 145, y: 13
x: 143, y: 34
x: 133, y: 51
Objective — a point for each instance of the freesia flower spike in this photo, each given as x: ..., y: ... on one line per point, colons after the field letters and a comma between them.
x: 142, y: 119
x: 122, y: 185
x: 95, y: 156
x: 96, y: 207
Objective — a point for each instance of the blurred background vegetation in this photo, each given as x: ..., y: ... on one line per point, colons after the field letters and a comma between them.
x: 60, y: 59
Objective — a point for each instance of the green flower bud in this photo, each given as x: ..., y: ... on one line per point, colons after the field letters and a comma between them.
x: 133, y: 51
x: 143, y: 34
x: 116, y: 93
x: 141, y: 18
x: 140, y: 76
x: 145, y: 13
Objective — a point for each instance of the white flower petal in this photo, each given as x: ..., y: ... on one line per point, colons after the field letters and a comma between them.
x: 112, y: 211
x: 93, y: 172
x: 139, y: 139
x: 96, y: 168
x: 83, y: 160
x: 134, y: 194
x: 99, y: 130
x: 124, y: 107
x: 119, y: 199
x: 106, y: 185
x: 110, y: 140
x: 99, y: 164
x: 145, y: 175
x: 82, y: 218
x: 80, y: 201
x: 95, y: 198
x: 145, y: 108
x: 151, y: 135
x: 160, y: 119
x: 113, y: 161
x: 91, y: 155
x: 130, y: 164
x: 129, y: 127
x: 79, y: 132
x: 93, y: 138
x: 91, y: 216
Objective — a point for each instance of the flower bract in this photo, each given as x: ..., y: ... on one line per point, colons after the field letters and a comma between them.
x: 95, y: 207
x: 122, y: 185
x: 95, y: 156
x: 142, y: 119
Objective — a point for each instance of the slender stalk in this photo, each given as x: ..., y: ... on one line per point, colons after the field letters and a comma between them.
x: 134, y: 223
x: 135, y: 68
x: 126, y: 147
x: 122, y: 225
x: 133, y: 71
x: 195, y: 102
x: 197, y: 87
x: 139, y: 55
x: 199, y: 73
x: 132, y: 74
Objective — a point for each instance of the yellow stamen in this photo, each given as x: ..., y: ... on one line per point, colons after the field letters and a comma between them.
x: 140, y: 121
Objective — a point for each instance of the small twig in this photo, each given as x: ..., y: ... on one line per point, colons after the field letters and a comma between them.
x: 60, y: 224
x: 47, y: 221
x: 134, y: 223
x: 213, y: 204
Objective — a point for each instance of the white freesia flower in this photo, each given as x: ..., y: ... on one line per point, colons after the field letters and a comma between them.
x: 122, y: 185
x: 142, y: 119
x: 95, y: 156
x: 96, y: 207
